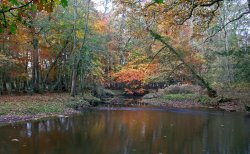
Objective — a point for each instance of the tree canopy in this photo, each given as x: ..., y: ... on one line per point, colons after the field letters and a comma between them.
x: 74, y: 46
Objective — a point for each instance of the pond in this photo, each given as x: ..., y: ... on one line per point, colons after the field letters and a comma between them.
x: 131, y: 130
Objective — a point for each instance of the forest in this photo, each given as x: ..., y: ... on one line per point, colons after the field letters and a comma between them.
x: 125, y: 76
x: 73, y: 46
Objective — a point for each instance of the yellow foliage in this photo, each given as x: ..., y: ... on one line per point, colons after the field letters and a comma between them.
x: 100, y: 26
x: 79, y: 34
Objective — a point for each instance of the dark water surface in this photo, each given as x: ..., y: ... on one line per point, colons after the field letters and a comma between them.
x: 131, y: 130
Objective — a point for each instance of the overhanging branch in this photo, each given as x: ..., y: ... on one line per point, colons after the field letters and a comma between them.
x: 224, y: 26
x: 15, y: 8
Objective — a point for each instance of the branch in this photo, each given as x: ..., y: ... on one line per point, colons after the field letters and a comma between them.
x: 211, y: 3
x: 190, y: 14
x: 5, y: 21
x: 230, y: 21
x: 195, y: 5
x: 14, y: 8
x: 155, y: 56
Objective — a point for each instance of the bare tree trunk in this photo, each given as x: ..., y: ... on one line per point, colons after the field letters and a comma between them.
x: 35, y: 55
x: 78, y: 56
x: 35, y: 66
x: 227, y: 61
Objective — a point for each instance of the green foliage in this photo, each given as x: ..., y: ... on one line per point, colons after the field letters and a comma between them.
x: 13, y: 28
x: 5, y: 109
x: 16, y: 12
x: 90, y: 98
x: 182, y: 89
x: 180, y: 97
x: 158, y: 1
x: 33, y: 7
x: 77, y: 104
x: 14, y: 2
x: 64, y: 3
x: 203, y: 99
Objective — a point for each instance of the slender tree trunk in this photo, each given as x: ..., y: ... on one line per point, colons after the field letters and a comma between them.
x: 227, y: 60
x: 74, y: 71
x: 54, y: 63
x: 35, y: 66
x: 78, y: 54
x: 35, y: 57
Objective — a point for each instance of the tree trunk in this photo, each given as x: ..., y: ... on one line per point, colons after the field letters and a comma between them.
x: 35, y: 66
x: 35, y: 57
x: 78, y: 54
x: 211, y: 91
x: 73, y: 82
x: 74, y: 71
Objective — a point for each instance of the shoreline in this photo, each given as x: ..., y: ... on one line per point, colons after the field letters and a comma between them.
x: 13, y: 119
x: 27, y: 108
x: 230, y: 106
x: 10, y: 119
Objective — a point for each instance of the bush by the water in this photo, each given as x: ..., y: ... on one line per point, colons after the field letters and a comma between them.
x: 175, y: 89
x: 182, y: 89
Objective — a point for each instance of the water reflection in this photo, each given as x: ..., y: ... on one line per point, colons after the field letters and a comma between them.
x: 136, y: 131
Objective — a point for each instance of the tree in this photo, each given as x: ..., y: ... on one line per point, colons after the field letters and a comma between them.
x: 165, y: 21
x: 14, y: 11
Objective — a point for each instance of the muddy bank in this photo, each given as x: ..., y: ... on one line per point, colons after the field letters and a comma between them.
x: 8, y: 119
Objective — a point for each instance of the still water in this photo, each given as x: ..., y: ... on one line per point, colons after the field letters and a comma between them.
x: 131, y: 130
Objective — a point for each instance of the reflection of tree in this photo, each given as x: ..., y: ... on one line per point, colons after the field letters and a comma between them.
x: 228, y: 134
x: 131, y: 131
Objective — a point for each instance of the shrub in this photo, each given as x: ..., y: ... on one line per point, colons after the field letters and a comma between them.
x: 76, y: 104
x: 182, y: 89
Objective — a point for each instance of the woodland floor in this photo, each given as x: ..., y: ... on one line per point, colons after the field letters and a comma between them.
x: 31, y: 107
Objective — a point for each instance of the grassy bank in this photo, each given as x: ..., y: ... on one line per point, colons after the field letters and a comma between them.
x: 189, y: 96
x: 42, y: 104
x: 194, y: 97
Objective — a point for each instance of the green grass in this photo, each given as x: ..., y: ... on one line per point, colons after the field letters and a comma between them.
x: 5, y: 109
x: 203, y: 99
x: 51, y: 107
x: 75, y: 104
x: 47, y: 104
x: 179, y: 97
x: 32, y: 108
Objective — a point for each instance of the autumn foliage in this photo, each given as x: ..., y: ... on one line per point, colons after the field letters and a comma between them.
x: 134, y: 74
x: 132, y: 79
